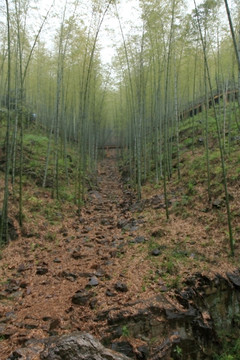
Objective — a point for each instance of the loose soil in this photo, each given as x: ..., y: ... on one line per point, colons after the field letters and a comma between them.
x: 117, y: 251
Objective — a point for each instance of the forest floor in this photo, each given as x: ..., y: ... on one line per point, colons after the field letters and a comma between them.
x: 61, y: 276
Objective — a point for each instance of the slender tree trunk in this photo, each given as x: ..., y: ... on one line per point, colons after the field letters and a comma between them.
x: 206, y: 131
x: 166, y: 132
x: 4, y: 215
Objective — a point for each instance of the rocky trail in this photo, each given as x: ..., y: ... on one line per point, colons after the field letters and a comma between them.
x: 61, y: 285
x: 100, y: 275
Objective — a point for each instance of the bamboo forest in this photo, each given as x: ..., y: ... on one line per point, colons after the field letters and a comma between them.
x: 119, y: 179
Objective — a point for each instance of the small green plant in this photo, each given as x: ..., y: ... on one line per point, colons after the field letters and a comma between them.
x: 36, y: 204
x: 174, y: 283
x: 178, y: 351
x: 125, y: 331
x: 169, y: 266
x: 50, y: 236
x: 191, y: 190
x: 185, y: 200
x: 34, y: 246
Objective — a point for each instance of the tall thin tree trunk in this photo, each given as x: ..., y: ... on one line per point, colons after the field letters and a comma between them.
x: 4, y: 215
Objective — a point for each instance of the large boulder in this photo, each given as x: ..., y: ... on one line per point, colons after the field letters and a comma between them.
x: 75, y: 346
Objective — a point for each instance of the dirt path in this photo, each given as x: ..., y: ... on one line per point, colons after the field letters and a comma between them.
x: 57, y: 284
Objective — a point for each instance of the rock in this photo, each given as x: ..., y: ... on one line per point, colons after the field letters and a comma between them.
x: 30, y: 326
x: 6, y: 331
x: 57, y: 261
x: 155, y: 200
x: 158, y: 232
x: 41, y: 270
x: 2, y: 329
x: 138, y: 206
x: 68, y: 275
x: 217, y: 204
x: 110, y: 293
x: 139, y: 239
x: 12, y: 286
x: 77, y: 255
x: 29, y: 353
x: 119, y: 286
x: 143, y: 352
x: 93, y: 303
x: 55, y: 323
x: 23, y: 285
x: 10, y: 315
x: 21, y: 268
x: 81, y: 297
x: 163, y: 289
x: 78, y: 346
x: 123, y: 347
x: 121, y: 223
x: 234, y: 278
x: 85, y: 274
x: 156, y: 252
x: 127, y: 225
x: 100, y: 272
x: 93, y: 281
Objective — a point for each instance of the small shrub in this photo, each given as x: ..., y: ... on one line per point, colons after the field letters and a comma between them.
x: 125, y: 331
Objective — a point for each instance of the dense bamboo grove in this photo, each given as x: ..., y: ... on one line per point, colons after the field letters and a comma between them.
x: 174, y: 60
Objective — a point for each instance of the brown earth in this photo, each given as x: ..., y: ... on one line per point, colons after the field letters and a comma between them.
x: 58, y: 278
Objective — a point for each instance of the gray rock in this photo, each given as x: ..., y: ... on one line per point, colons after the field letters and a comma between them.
x: 81, y: 297
x: 123, y: 347
x: 78, y: 346
x: 143, y: 352
x: 93, y: 281
x: 217, y: 204
x: 119, y: 286
x: 110, y: 293
x: 158, y: 232
x: 139, y: 239
x: 57, y: 261
x: 156, y: 252
x: 41, y: 270
x: 234, y: 278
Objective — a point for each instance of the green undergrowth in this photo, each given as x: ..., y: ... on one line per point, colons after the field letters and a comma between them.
x: 193, y: 157
x: 231, y: 350
x: 37, y: 199
x: 35, y: 148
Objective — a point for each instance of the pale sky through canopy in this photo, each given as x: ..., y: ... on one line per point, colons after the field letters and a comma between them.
x: 110, y: 33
